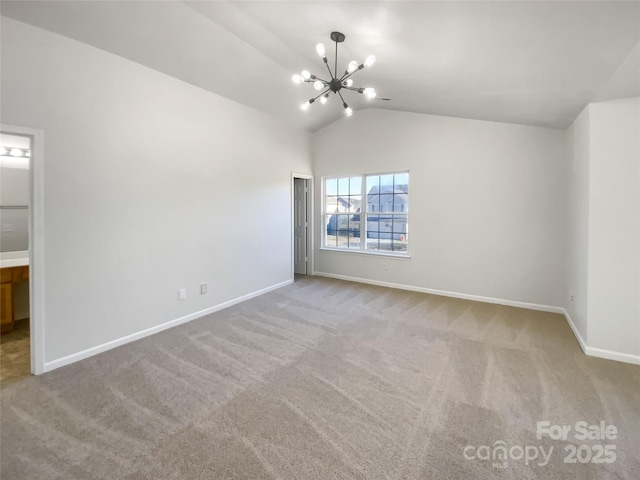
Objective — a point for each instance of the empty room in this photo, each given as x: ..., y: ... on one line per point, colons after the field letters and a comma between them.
x: 320, y: 240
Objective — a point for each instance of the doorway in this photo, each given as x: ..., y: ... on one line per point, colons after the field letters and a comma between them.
x: 21, y: 250
x: 302, y: 225
x: 15, y: 350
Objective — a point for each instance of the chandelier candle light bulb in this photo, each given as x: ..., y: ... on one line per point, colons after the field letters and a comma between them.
x: 320, y: 50
x: 369, y: 92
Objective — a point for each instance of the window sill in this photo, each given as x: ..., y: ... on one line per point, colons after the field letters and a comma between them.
x: 403, y: 256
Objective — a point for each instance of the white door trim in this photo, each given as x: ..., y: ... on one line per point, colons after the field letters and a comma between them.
x: 36, y: 243
x: 310, y: 236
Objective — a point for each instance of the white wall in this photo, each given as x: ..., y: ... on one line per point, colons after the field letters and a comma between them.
x: 487, y: 202
x: 577, y: 242
x: 614, y: 227
x: 150, y: 185
x: 603, y: 254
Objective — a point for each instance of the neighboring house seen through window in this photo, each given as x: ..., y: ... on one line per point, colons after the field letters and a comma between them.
x: 382, y: 201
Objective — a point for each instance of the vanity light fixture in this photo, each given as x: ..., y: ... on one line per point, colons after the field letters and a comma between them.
x: 14, y: 152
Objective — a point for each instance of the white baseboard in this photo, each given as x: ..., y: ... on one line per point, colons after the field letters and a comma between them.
x: 576, y: 332
x: 90, y: 352
x: 611, y: 355
x: 444, y: 293
x: 594, y: 352
x: 590, y: 351
x: 599, y: 352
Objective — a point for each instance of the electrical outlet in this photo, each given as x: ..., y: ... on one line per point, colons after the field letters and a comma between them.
x: 182, y: 294
x: 385, y: 266
x: 7, y: 227
x: 203, y: 288
x: 571, y: 295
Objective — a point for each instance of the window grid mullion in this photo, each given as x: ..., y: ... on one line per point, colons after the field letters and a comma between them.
x: 363, y: 211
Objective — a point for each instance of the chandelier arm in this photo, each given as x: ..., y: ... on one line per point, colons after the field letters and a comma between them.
x: 347, y: 75
x: 341, y: 98
x: 355, y: 89
x: 323, y: 93
x: 329, y: 68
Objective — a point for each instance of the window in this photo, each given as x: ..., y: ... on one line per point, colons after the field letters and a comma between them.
x: 384, y: 209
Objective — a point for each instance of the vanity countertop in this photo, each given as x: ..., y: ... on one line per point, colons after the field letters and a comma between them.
x: 14, y: 259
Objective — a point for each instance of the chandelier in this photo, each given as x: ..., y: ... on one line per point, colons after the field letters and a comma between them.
x: 337, y: 83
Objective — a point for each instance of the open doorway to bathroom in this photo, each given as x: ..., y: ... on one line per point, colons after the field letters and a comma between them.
x: 15, y: 335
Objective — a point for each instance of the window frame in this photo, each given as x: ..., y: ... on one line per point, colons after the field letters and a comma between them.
x: 362, y: 250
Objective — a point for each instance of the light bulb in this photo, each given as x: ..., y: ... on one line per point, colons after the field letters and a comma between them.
x: 318, y: 85
x: 3, y: 151
x: 348, y: 82
x: 371, y: 59
x: 16, y: 152
x: 320, y: 50
x: 298, y: 79
x: 348, y: 112
x: 324, y: 99
x: 305, y: 106
x: 369, y: 92
x: 352, y: 67
x: 305, y: 74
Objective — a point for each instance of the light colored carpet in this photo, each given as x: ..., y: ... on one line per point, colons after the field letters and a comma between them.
x: 324, y: 379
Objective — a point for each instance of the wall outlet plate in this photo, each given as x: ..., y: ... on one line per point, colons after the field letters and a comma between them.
x: 203, y: 288
x: 182, y: 294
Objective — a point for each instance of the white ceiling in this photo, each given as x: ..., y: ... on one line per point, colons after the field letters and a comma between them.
x: 535, y: 63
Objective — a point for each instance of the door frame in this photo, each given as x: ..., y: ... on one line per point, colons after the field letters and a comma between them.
x: 36, y: 242
x: 310, y: 230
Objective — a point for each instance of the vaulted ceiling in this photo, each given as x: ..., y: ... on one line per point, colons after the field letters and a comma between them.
x: 529, y: 62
